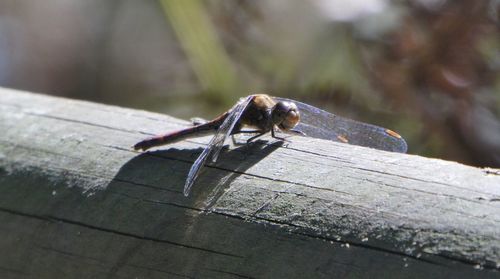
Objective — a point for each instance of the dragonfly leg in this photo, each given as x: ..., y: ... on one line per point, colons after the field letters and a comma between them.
x: 234, y: 140
x: 243, y: 132
x: 276, y: 137
x: 298, y: 132
x: 255, y: 137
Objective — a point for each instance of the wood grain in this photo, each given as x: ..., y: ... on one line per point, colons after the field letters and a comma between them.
x: 76, y: 201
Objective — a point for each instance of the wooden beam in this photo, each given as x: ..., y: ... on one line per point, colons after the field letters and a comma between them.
x: 77, y: 201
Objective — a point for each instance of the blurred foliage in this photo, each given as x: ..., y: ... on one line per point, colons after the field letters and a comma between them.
x: 428, y: 69
x: 206, y: 53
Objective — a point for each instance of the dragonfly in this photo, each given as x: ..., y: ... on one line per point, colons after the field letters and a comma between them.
x: 260, y: 114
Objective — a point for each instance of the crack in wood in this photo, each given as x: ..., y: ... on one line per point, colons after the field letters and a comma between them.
x: 473, y: 200
x: 14, y: 271
x: 418, y: 179
x: 329, y: 239
x: 229, y: 273
x: 88, y: 226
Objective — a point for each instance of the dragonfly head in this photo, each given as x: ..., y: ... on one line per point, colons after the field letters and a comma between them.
x: 285, y: 115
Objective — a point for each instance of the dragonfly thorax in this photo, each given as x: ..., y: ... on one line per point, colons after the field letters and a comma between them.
x: 285, y: 115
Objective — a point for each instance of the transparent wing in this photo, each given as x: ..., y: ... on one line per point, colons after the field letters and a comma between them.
x: 317, y: 123
x: 216, y: 144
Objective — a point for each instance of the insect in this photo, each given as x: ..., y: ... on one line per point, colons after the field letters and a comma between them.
x: 262, y: 114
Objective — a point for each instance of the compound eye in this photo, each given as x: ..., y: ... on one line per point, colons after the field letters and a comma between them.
x: 291, y: 119
x: 280, y: 110
x: 281, y: 107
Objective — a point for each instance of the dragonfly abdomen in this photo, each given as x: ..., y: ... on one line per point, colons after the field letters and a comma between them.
x: 192, y: 132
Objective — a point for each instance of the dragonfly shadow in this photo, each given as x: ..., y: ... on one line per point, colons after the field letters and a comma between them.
x: 146, y: 194
x: 234, y: 162
x: 162, y: 173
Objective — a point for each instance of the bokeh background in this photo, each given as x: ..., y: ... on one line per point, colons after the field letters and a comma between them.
x: 428, y: 69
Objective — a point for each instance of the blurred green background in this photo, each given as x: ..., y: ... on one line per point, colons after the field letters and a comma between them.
x: 428, y: 69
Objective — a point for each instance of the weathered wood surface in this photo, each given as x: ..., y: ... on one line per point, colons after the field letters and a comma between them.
x: 76, y: 201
